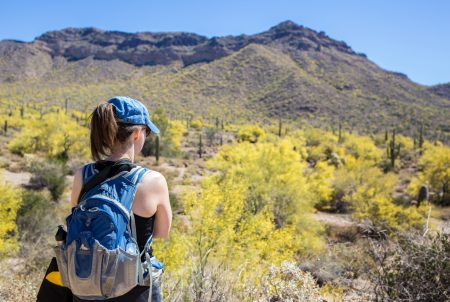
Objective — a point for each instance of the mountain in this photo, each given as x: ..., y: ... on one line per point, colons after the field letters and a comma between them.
x: 288, y: 71
x: 442, y: 90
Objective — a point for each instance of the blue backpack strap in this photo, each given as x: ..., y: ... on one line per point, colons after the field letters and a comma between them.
x: 138, y: 177
x: 134, y: 176
x: 88, y: 171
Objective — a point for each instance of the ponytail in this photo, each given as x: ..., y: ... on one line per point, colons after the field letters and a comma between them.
x: 103, y: 130
x: 107, y: 130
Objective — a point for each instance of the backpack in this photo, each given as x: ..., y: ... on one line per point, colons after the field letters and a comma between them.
x: 100, y: 257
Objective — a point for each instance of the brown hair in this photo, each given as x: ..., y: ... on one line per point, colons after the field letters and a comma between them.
x: 107, y: 130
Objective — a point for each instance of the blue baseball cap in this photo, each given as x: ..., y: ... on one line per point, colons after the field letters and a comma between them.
x: 132, y: 111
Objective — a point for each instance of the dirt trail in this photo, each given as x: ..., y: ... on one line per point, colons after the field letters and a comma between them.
x: 15, y: 178
x: 339, y: 220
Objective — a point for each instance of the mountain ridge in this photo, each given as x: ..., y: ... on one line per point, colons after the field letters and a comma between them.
x: 288, y: 70
x: 190, y: 48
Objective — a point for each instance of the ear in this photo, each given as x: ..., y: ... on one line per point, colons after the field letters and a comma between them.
x: 136, y: 134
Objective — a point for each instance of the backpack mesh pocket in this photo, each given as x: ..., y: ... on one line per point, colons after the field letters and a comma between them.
x: 112, y: 273
x: 61, y: 260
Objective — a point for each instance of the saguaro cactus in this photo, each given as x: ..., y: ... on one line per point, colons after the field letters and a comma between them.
x: 393, y: 150
x: 200, y: 145
x: 421, y: 140
x: 423, y: 195
x: 280, y: 125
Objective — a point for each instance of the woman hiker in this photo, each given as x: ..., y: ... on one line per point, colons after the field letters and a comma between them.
x: 119, y: 128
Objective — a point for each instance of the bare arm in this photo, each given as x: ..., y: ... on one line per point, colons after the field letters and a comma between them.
x: 76, y: 187
x: 163, y: 219
x: 152, y: 198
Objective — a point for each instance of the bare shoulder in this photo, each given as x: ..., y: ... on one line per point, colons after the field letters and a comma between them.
x: 154, y: 181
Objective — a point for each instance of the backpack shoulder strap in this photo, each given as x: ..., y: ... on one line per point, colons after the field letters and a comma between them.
x: 134, y: 176
x: 88, y: 171
x: 93, y: 179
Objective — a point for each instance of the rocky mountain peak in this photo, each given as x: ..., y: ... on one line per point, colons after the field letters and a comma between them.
x: 286, y: 25
x: 69, y: 34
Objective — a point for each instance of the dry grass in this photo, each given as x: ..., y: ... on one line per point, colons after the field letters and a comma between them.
x: 18, y: 287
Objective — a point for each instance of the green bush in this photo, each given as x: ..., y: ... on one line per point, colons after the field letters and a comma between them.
x: 36, y: 223
x: 36, y: 214
x: 50, y: 175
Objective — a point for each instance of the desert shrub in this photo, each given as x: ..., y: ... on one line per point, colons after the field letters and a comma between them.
x: 250, y: 133
x: 372, y: 200
x: 406, y: 144
x: 10, y: 202
x: 56, y: 135
x: 362, y: 147
x: 176, y: 130
x: 159, y: 118
x: 171, y: 133
x: 287, y: 282
x: 363, y: 189
x: 36, y: 224
x: 223, y: 230
x: 412, y: 268
x: 49, y: 174
x: 355, y: 173
x: 435, y: 166
x: 317, y: 137
x: 275, y: 177
x: 211, y: 134
x: 337, y: 264
x: 197, y: 123
x: 321, y: 181
x: 326, y: 151
x: 36, y: 214
x: 298, y: 138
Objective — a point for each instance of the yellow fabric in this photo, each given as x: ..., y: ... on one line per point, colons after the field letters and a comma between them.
x: 54, y: 277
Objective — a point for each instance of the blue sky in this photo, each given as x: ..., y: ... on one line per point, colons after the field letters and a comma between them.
x: 412, y: 37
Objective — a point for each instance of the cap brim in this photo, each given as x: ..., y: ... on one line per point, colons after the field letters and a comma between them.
x: 152, y: 127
